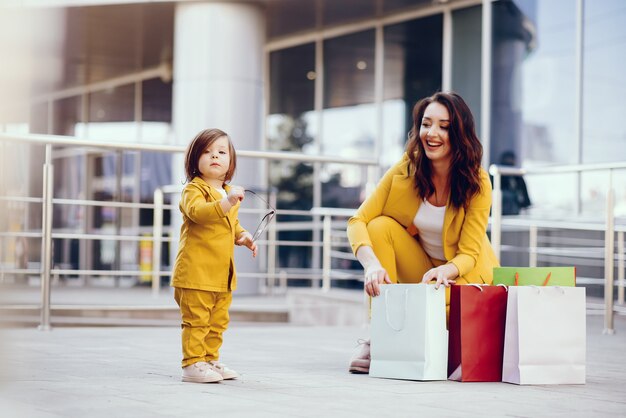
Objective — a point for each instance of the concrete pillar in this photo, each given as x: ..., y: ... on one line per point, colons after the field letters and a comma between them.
x: 218, y: 83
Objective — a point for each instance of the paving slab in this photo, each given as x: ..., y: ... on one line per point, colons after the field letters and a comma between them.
x: 287, y: 371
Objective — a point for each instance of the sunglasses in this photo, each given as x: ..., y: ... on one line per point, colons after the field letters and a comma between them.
x: 265, y: 221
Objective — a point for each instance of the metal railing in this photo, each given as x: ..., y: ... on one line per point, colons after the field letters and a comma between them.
x: 328, y: 224
x: 47, y: 200
x: 608, y: 226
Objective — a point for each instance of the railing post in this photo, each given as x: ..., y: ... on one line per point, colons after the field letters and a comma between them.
x: 271, y: 248
x: 326, y: 260
x: 46, y: 242
x: 620, y: 267
x: 532, y: 246
x: 496, y: 210
x: 609, y: 254
x: 157, y: 238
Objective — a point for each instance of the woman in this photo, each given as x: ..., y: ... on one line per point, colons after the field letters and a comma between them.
x: 427, y: 218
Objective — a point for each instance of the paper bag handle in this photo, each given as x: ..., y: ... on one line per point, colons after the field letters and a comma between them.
x: 406, y: 302
x: 480, y: 286
x: 545, y: 282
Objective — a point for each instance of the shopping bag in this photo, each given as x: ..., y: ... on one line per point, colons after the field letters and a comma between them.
x: 409, y: 339
x: 476, y: 332
x: 538, y: 276
x: 544, y: 340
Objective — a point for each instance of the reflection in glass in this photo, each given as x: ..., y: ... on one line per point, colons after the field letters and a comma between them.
x: 337, y: 12
x: 466, y: 58
x: 114, y: 105
x: 533, y: 101
x: 156, y: 103
x: 349, y: 116
x: 396, y: 5
x: 290, y: 126
x: 349, y: 70
x: 413, y: 57
x: 288, y: 16
x: 604, y: 83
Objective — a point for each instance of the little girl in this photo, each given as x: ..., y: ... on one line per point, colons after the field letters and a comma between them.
x: 204, y: 274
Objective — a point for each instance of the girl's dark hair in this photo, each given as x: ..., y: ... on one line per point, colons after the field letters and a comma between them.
x: 201, y: 142
x: 466, y: 150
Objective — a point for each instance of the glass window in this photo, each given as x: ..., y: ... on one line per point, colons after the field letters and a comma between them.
x: 291, y: 126
x: 67, y: 113
x: 343, y: 11
x: 533, y: 95
x: 38, y: 123
x: 156, y: 103
x: 349, y: 70
x: 604, y: 82
x: 604, y: 88
x: 349, y: 115
x: 114, y: 105
x: 289, y: 16
x: 396, y: 5
x: 413, y: 65
x: 533, y: 81
x: 466, y: 58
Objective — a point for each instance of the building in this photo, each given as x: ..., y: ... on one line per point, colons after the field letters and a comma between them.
x: 544, y: 79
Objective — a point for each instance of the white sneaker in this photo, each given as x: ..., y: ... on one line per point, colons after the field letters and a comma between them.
x: 200, y: 372
x: 223, y: 370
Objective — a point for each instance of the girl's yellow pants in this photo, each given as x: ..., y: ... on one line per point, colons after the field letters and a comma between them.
x: 204, y: 319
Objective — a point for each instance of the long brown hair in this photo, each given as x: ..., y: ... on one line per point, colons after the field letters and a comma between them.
x: 466, y: 151
x: 201, y: 142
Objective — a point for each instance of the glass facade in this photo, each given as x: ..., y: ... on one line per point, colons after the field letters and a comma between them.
x: 412, y: 70
x: 548, y: 104
x: 292, y: 125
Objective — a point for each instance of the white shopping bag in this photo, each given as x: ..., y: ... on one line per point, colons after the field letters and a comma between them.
x: 544, y: 341
x: 409, y: 339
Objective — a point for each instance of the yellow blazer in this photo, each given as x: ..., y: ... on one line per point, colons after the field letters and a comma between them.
x: 205, y: 258
x: 465, y: 242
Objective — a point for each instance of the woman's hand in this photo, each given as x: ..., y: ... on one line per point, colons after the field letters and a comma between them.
x: 245, y: 239
x: 375, y: 274
x: 444, y: 274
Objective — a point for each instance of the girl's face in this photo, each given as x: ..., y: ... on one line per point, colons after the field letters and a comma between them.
x: 434, y: 132
x: 214, y: 162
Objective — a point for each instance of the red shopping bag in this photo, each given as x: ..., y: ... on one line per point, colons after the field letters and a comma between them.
x: 476, y: 332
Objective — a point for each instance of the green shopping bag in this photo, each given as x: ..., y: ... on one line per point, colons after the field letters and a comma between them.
x: 537, y: 276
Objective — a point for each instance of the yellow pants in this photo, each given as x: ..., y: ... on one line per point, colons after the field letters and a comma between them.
x: 401, y: 254
x: 204, y: 320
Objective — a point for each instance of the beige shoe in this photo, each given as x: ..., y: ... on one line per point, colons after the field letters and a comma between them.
x: 200, y: 372
x: 360, y: 362
x: 223, y: 370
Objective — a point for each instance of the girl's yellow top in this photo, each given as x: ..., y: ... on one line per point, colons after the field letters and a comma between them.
x: 205, y: 258
x: 465, y: 242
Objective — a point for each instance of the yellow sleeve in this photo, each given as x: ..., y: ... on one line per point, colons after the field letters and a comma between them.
x: 194, y: 205
x: 474, y: 228
x: 238, y: 228
x: 372, y: 207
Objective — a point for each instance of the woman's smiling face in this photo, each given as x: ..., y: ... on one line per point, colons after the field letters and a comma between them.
x: 434, y: 134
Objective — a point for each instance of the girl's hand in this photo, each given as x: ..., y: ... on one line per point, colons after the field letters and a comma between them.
x: 443, y: 274
x: 235, y: 195
x: 245, y: 239
x: 375, y: 274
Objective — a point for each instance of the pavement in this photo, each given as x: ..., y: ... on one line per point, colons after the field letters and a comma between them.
x: 287, y: 371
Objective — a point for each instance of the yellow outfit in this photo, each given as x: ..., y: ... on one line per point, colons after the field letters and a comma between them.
x: 204, y: 273
x: 384, y: 221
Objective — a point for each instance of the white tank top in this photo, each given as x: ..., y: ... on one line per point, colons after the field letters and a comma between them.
x: 429, y: 223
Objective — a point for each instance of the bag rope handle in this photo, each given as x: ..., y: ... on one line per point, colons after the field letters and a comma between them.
x: 406, y: 302
x: 480, y: 286
x: 545, y: 282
